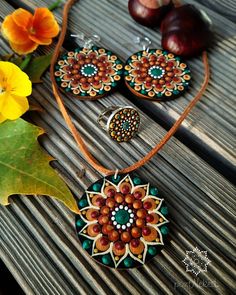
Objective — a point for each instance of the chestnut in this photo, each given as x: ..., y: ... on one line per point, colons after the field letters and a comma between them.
x: 149, y: 12
x: 186, y: 31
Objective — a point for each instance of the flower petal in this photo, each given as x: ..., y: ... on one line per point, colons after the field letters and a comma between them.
x: 22, y: 18
x: 24, y: 48
x: 14, y: 106
x: 18, y: 82
x: 2, y: 118
x: 45, y: 24
x: 40, y: 40
x: 13, y: 32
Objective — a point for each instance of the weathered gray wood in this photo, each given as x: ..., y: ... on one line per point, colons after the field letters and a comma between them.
x: 37, y: 237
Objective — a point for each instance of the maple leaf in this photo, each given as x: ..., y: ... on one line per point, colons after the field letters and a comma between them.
x: 24, y: 166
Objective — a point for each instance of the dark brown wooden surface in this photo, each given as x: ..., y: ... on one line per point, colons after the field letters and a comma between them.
x: 194, y: 171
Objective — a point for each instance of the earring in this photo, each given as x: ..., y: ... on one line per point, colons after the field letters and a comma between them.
x: 88, y: 72
x: 121, y: 123
x: 155, y: 74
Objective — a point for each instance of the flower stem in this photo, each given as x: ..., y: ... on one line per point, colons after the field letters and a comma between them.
x: 25, y: 62
x: 54, y: 5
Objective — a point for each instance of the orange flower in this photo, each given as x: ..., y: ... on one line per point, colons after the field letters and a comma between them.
x: 26, y: 31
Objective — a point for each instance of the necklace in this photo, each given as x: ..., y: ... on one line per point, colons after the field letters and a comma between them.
x: 123, y: 219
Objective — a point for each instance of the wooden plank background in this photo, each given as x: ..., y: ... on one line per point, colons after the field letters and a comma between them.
x: 194, y: 171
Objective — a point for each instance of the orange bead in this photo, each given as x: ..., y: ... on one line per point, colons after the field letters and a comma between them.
x: 152, y: 236
x: 110, y: 202
x: 137, y: 249
x: 140, y: 222
x: 91, y: 231
x: 107, y: 228
x: 119, y: 198
x: 137, y: 204
x: 125, y: 237
x: 141, y: 213
x: 105, y: 210
x: 103, y: 219
x: 92, y: 214
x: 113, y: 236
x: 102, y: 244
x: 129, y: 199
x: 136, y: 232
x: 118, y: 252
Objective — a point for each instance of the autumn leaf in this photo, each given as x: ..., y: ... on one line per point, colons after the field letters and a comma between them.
x: 37, y: 66
x: 24, y: 166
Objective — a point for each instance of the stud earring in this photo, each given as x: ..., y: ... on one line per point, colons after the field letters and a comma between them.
x: 88, y: 72
x: 155, y: 74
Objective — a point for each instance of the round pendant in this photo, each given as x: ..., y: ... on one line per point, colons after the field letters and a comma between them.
x: 156, y: 75
x: 88, y: 73
x: 122, y: 222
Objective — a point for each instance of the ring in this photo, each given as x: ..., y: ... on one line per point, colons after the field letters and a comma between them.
x: 121, y: 123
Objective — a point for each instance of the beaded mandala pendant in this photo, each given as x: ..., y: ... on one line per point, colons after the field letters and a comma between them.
x: 122, y: 222
x: 156, y: 75
x: 88, y: 73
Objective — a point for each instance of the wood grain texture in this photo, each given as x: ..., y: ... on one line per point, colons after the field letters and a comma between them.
x: 37, y: 236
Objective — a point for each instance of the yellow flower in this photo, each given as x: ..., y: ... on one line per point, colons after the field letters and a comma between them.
x: 14, y: 87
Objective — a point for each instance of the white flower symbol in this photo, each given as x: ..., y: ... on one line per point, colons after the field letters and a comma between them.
x: 196, y: 261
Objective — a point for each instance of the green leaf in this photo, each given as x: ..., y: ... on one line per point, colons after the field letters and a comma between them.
x: 24, y: 167
x: 37, y: 67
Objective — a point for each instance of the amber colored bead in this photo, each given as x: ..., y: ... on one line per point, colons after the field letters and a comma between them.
x: 107, y: 228
x: 141, y: 213
x: 129, y: 199
x: 81, y: 62
x: 96, y: 228
x: 146, y: 231
x: 143, y: 75
x: 94, y: 214
x: 147, y: 205
x: 76, y: 67
x: 87, y: 60
x: 77, y: 76
x: 97, y: 78
x: 149, y: 79
x: 103, y: 219
x: 168, y: 69
x: 100, y: 64
x: 137, y: 204
x: 83, y: 80
x: 149, y: 218
x: 111, y: 193
x: 146, y: 65
x: 110, y: 202
x: 90, y: 80
x: 119, y: 198
x: 104, y: 241
x: 162, y: 82
x: 137, y: 249
x: 138, y: 195
x: 135, y: 243
x: 163, y: 64
x: 140, y: 222
x: 113, y: 236
x: 119, y: 245
x: 125, y: 237
x: 152, y: 63
x: 74, y: 72
x: 170, y: 74
x: 125, y: 189
x: 136, y: 232
x: 94, y: 61
x: 101, y: 74
x: 167, y: 79
x: 105, y: 210
x: 155, y: 81
x: 102, y: 69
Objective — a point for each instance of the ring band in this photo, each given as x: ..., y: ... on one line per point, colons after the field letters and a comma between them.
x: 121, y: 123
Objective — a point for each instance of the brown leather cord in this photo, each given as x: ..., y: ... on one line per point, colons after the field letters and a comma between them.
x: 84, y: 149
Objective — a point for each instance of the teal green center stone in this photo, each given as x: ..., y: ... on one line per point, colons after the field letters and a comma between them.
x: 156, y: 72
x: 89, y: 70
x: 125, y: 125
x: 122, y: 216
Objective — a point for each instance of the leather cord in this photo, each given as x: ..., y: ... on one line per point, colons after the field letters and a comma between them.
x: 79, y: 140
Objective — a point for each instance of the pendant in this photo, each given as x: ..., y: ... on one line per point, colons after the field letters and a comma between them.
x: 122, y: 222
x: 88, y: 73
x: 156, y: 74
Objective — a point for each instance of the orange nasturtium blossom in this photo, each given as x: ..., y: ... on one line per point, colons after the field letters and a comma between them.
x: 15, y: 85
x: 26, y: 31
